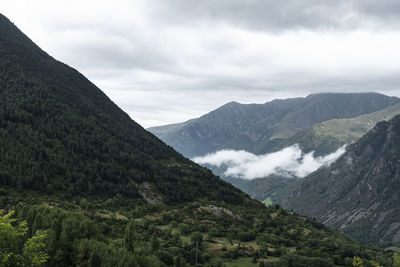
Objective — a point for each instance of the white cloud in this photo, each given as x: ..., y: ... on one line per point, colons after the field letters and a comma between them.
x: 290, y: 162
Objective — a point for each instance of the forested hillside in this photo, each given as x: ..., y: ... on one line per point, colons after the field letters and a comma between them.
x: 96, y: 189
x: 58, y: 131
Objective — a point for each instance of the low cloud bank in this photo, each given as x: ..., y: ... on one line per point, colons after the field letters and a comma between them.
x: 289, y: 162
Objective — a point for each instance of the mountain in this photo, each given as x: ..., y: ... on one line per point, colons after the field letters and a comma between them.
x: 327, y: 136
x: 272, y: 189
x: 359, y: 192
x: 322, y: 138
x: 254, y: 126
x: 99, y: 190
x: 60, y: 132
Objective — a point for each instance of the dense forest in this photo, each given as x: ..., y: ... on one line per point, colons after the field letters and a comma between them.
x: 60, y: 132
x: 81, y: 184
x: 89, y: 232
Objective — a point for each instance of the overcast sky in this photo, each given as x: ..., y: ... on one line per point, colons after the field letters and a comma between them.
x: 166, y: 61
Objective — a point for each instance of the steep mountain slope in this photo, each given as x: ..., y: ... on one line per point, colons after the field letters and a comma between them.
x: 272, y: 189
x: 359, y: 193
x: 252, y: 126
x: 327, y: 136
x: 108, y: 193
x: 323, y: 138
x: 58, y: 131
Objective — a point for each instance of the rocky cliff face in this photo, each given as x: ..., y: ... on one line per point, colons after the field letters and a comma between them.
x: 360, y: 192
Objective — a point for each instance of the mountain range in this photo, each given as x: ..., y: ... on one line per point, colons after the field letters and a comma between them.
x: 257, y: 127
x: 102, y: 191
x: 356, y: 194
x: 322, y: 138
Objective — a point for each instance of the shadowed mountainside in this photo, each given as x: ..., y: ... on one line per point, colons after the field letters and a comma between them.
x: 358, y: 193
x: 60, y: 132
x: 253, y: 126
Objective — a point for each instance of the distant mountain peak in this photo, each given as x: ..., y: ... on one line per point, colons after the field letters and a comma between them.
x: 232, y: 103
x: 253, y: 126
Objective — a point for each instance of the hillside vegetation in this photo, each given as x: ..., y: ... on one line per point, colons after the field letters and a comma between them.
x: 101, y: 191
x: 58, y: 131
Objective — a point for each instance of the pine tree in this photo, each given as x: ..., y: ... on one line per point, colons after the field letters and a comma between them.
x: 179, y: 261
x: 155, y: 243
x: 130, y: 236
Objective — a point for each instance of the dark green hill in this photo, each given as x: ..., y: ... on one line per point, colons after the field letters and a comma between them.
x: 58, y: 131
x: 108, y: 193
x: 257, y: 127
x: 359, y: 192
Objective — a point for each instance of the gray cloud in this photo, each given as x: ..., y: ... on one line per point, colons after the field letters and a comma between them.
x: 169, y: 61
x: 273, y: 16
x: 384, y: 11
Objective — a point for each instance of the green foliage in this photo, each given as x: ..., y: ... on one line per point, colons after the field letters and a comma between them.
x: 301, y: 261
x: 60, y: 133
x: 35, y: 249
x: 77, y: 167
x: 15, y: 250
x: 183, y: 228
x: 179, y: 261
x: 357, y: 262
x: 396, y: 260
x: 74, y: 238
x: 246, y: 236
x: 196, y: 237
x: 130, y: 236
x: 155, y: 243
